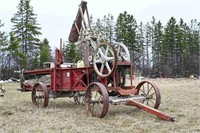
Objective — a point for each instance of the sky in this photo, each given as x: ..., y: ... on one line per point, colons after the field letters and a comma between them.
x: 56, y: 16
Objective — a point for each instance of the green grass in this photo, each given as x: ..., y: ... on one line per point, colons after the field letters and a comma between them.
x: 179, y: 97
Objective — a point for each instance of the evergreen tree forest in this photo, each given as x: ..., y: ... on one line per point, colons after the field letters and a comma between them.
x: 156, y: 50
x: 21, y: 47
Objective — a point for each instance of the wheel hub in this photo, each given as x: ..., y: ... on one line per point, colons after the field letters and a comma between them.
x: 103, y: 61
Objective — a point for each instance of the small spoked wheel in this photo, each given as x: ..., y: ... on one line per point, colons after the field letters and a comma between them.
x: 151, y: 93
x: 40, y: 96
x: 79, y: 98
x: 104, y: 60
x: 121, y: 51
x: 96, y: 100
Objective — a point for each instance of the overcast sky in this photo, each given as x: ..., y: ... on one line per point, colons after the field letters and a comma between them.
x: 56, y: 16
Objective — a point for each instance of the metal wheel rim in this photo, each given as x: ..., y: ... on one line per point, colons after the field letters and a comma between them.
x: 92, y: 102
x: 151, y: 93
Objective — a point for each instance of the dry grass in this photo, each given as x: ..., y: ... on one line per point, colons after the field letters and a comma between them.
x: 180, y: 98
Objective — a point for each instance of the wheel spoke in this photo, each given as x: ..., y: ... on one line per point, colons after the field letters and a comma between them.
x: 118, y: 50
x: 106, y: 55
x: 95, y: 95
x: 99, y: 99
x: 40, y: 95
x: 147, y: 102
x: 152, y: 102
x: 110, y: 58
x: 96, y: 105
x: 102, y: 67
x: 101, y: 53
x: 150, y: 92
x: 108, y: 67
x: 143, y: 89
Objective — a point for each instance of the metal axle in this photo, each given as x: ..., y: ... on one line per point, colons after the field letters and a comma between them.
x: 124, y: 100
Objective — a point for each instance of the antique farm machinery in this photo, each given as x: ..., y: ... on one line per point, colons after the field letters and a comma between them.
x: 100, y: 80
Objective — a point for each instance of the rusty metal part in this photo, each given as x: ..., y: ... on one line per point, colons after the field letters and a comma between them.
x: 39, y: 71
x: 26, y: 87
x: 121, y: 76
x: 150, y: 110
x: 79, y: 98
x: 40, y: 95
x: 104, y: 60
x: 126, y: 91
x: 96, y: 100
x: 151, y: 93
x: 76, y: 27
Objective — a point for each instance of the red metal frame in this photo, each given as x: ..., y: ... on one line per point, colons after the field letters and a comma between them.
x: 72, y: 79
x: 78, y: 79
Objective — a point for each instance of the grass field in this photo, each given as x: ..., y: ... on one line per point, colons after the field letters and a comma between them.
x: 179, y: 97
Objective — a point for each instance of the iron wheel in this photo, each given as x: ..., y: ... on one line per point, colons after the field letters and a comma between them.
x: 151, y: 93
x: 40, y: 96
x: 96, y: 100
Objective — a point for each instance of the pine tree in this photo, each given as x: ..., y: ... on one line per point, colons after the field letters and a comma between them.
x: 141, y: 41
x: 45, y: 52
x: 181, y: 48
x: 168, y: 47
x: 3, y: 53
x: 109, y: 27
x: 15, y: 52
x: 70, y: 53
x: 147, y: 48
x: 105, y: 27
x: 158, y: 42
x: 193, y: 47
x: 126, y: 33
x: 25, y: 28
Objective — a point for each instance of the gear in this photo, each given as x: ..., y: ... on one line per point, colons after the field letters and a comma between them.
x: 121, y: 76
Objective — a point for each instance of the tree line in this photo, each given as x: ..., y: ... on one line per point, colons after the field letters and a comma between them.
x: 170, y: 50
x: 156, y: 50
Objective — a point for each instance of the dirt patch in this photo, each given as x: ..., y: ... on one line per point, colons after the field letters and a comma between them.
x: 179, y: 98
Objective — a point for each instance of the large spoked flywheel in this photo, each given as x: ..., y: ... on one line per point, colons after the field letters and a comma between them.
x: 104, y: 60
x: 151, y: 93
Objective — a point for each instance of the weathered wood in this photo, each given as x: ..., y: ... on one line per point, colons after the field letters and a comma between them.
x: 74, y: 33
